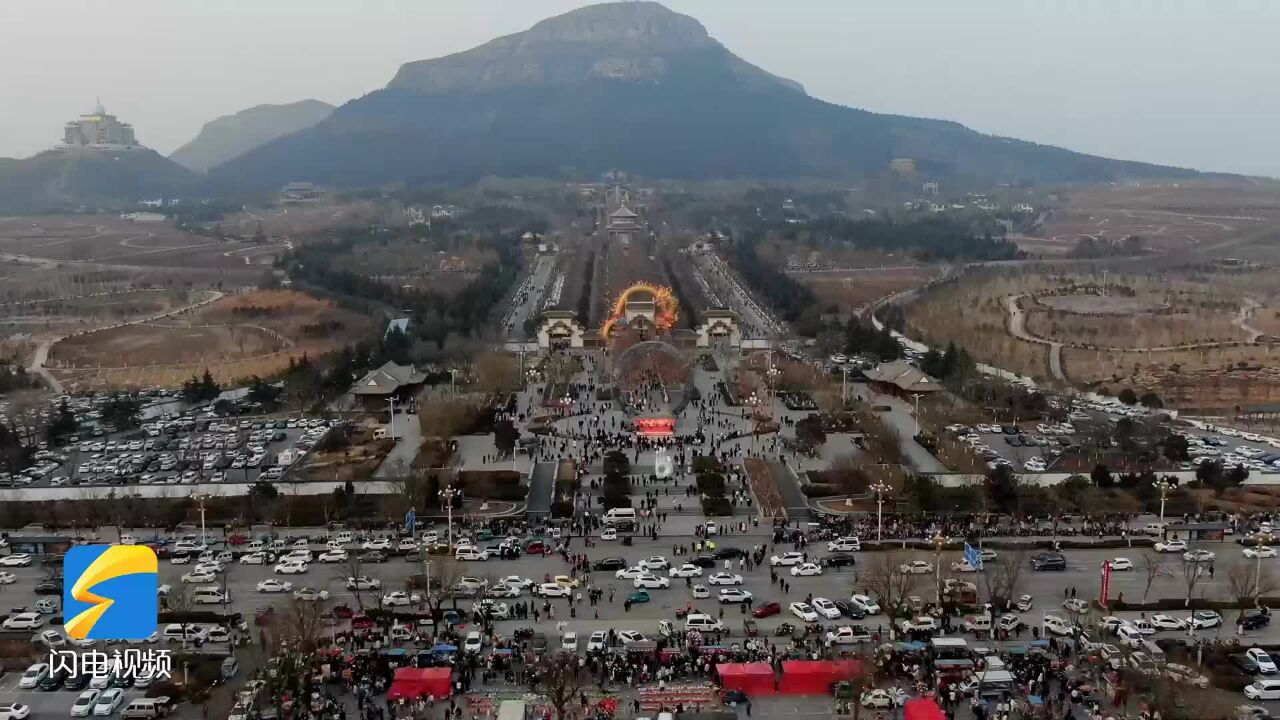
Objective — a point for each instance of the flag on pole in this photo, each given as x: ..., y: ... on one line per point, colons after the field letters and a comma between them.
x: 972, y: 556
x: 410, y: 519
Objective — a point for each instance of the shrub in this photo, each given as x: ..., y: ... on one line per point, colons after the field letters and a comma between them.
x: 711, y: 484
x: 815, y: 490
x: 706, y: 464
x: 713, y: 506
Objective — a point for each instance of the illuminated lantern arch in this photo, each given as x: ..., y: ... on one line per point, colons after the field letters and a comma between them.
x: 666, y: 308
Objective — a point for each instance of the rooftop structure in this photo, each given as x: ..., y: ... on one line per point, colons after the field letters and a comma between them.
x: 99, y: 131
x: 902, y: 379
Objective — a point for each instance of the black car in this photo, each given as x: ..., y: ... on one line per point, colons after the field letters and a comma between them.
x: 53, y: 681
x: 77, y: 682
x: 1048, y: 561
x: 1255, y: 621
x: 728, y: 553
x: 703, y: 561
x: 848, y: 610
x: 609, y: 563
x: 372, y: 556
x: 838, y: 560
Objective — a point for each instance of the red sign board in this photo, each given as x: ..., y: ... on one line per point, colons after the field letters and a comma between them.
x: 1106, y: 584
x: 656, y: 427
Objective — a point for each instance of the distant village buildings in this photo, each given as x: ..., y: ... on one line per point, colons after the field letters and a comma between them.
x: 902, y: 166
x: 300, y: 192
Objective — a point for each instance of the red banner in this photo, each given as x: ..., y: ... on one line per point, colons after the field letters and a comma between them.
x: 656, y: 427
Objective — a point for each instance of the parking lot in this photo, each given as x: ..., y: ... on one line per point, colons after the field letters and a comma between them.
x: 174, y: 448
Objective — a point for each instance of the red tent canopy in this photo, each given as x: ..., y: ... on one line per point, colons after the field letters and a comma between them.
x: 751, y: 678
x: 412, y: 683
x: 814, y: 677
x: 922, y: 709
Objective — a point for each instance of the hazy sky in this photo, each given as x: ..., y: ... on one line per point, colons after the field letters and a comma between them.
x: 1167, y: 81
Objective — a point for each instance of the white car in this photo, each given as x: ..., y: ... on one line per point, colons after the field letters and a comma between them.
x: 199, y: 576
x: 846, y: 635
x: 473, y: 642
x: 865, y: 604
x: 630, y: 573
x: 15, y: 711
x: 651, y: 581
x: 701, y: 591
x: 806, y: 569
x: 629, y: 637
x: 915, y: 567
x: 16, y: 560
x: 1057, y: 626
x: 686, y: 570
x: 1260, y: 551
x: 1205, y: 619
x: 290, y: 568
x: 803, y: 611
x: 1025, y: 603
x: 24, y: 621
x: 8, y: 578
x: 657, y: 562
x: 33, y: 675
x: 516, y: 581
x: 109, y: 702
x: 1266, y: 665
x: 553, y: 590
x: 1167, y: 622
x: 844, y: 544
x: 1171, y: 546
x: 363, y: 583
x: 597, y: 641
x: 826, y: 608
x: 1198, y: 556
x: 963, y: 566
x: 734, y: 595
x: 791, y: 558
x: 382, y: 544
x: 84, y: 703
x: 332, y: 556
x: 724, y: 578
x: 1076, y: 605
x: 569, y: 642
x: 1118, y: 564
x: 880, y: 698
x: 272, y: 585
x: 310, y: 594
x: 254, y: 558
x: 924, y: 623
x: 399, y: 599
x: 609, y: 534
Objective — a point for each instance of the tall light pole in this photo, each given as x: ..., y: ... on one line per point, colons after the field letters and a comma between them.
x: 880, y: 488
x: 939, y: 542
x: 200, y: 498
x: 1165, y: 486
x: 1257, y: 574
x: 917, y: 397
x: 449, y: 493
x: 844, y: 385
x: 391, y: 426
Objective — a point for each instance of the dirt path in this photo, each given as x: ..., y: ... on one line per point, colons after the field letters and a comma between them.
x: 42, y: 351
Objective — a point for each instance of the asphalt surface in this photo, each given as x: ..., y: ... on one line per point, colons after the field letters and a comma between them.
x: 1047, y: 588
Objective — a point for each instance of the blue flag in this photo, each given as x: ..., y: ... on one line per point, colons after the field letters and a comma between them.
x: 410, y: 519
x: 972, y: 556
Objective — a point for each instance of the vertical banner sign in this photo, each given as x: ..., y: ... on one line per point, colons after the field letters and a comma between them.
x: 1106, y: 584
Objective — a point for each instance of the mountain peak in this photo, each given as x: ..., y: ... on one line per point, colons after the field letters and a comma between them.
x: 621, y: 41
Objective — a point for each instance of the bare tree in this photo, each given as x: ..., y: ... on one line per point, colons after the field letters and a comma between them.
x: 560, y: 679
x: 884, y: 579
x: 1003, y: 578
x: 353, y: 568
x: 1152, y: 567
x: 297, y: 629
x: 1191, y: 574
x: 1247, y: 582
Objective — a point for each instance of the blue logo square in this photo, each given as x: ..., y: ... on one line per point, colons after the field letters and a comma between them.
x: 110, y: 592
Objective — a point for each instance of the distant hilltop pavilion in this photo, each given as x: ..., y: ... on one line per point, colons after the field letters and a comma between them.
x: 99, y: 131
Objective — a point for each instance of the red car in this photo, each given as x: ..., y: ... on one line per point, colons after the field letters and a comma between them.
x: 238, y: 539
x: 536, y: 547
x: 361, y: 622
x: 767, y: 609
x: 343, y: 611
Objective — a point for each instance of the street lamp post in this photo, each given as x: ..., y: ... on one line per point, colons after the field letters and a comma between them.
x: 200, y: 498
x: 1165, y: 486
x: 916, y: 397
x: 449, y: 493
x: 939, y: 542
x: 1257, y: 574
x: 880, y: 488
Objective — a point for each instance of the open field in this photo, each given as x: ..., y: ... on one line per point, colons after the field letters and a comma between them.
x: 1169, y: 218
x: 297, y: 221
x: 254, y: 333
x: 1188, y: 335
x: 850, y: 289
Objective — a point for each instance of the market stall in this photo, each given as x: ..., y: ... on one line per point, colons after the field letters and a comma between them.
x: 922, y: 709
x: 751, y: 678
x: 412, y: 683
x: 815, y: 677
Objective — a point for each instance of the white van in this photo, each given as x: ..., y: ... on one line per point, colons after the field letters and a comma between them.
x: 704, y: 623
x: 380, y: 434
x: 1156, y: 529
x: 471, y: 553
x: 210, y: 597
x: 144, y: 708
x: 178, y: 632
x: 618, y: 515
x: 977, y: 623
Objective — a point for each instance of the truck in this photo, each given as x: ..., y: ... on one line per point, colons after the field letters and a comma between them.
x: 287, y: 457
